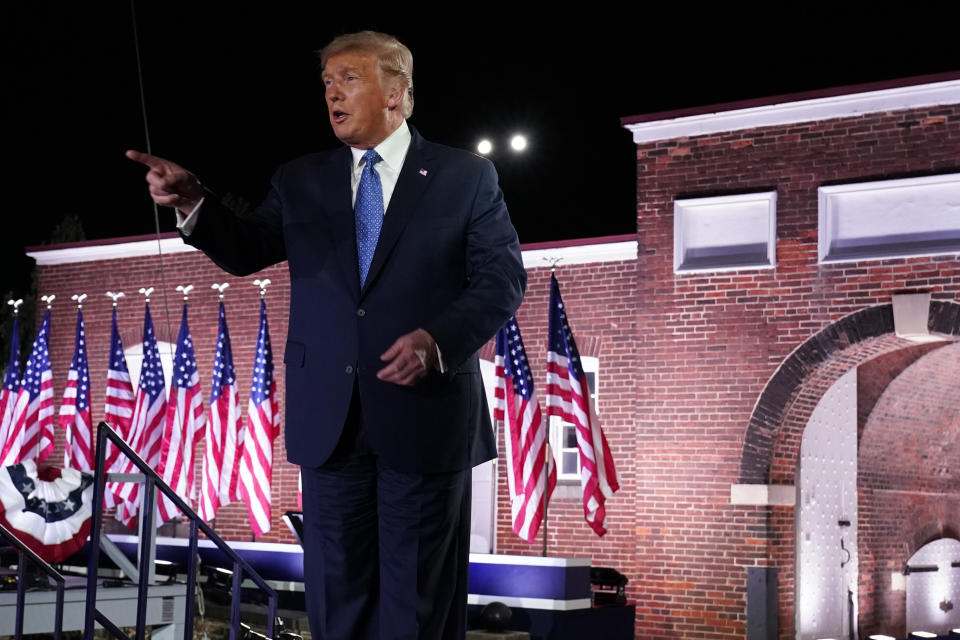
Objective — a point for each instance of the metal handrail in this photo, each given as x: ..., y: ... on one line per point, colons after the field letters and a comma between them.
x: 25, y: 553
x: 153, y: 481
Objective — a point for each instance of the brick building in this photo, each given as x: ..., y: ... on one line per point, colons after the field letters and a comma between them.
x: 786, y: 440
x: 773, y: 236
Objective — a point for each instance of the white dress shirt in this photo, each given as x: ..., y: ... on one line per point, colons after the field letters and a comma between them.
x: 392, y: 150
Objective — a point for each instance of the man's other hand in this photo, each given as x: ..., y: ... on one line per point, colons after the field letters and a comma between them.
x: 170, y: 184
x: 409, y: 358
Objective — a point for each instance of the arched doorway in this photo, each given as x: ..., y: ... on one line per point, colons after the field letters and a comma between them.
x: 772, y: 443
x: 933, y: 587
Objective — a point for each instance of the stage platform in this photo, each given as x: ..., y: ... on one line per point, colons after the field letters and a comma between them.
x: 606, y: 623
x: 165, y: 608
x: 550, y: 597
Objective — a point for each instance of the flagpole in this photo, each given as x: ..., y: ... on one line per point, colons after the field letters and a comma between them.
x: 553, y: 260
x: 546, y: 489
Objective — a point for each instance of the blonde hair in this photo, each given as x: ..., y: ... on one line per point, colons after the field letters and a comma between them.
x: 395, y: 59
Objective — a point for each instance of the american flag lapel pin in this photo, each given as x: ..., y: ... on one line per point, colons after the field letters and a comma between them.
x: 423, y: 172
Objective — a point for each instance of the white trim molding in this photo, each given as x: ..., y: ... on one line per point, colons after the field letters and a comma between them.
x: 90, y: 253
x: 896, y: 99
x: 528, y: 561
x: 532, y: 258
x: 582, y: 254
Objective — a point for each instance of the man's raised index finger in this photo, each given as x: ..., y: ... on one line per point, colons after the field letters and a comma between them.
x: 145, y: 158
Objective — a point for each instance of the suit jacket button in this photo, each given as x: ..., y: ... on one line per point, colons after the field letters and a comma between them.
x: 361, y: 312
x: 349, y: 369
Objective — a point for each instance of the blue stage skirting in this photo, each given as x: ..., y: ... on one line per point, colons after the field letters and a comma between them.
x: 531, y: 582
x: 553, y: 584
x: 272, y: 560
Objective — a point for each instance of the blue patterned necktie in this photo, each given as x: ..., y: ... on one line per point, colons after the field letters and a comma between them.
x: 369, y: 212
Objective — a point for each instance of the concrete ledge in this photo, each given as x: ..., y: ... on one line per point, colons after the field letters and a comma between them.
x: 898, y: 581
x: 765, y: 495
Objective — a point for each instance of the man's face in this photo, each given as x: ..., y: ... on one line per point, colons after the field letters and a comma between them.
x: 363, y: 112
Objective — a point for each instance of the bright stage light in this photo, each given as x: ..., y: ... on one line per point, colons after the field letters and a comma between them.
x: 518, y: 143
x: 484, y: 147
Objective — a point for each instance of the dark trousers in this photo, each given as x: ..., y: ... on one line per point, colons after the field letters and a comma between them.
x: 385, y: 552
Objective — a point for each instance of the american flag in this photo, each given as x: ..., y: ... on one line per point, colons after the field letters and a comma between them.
x: 146, y: 428
x: 185, y: 420
x: 263, y: 426
x: 568, y: 397
x: 75, y: 407
x: 221, y: 459
x: 118, y: 408
x: 11, y: 384
x: 530, y: 466
x: 31, y: 426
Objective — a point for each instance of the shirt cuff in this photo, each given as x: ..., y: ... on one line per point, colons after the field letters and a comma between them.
x: 441, y: 367
x: 187, y: 221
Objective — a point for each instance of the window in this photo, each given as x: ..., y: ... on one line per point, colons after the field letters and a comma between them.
x: 889, y: 218
x: 563, y: 435
x: 725, y: 233
x: 134, y: 357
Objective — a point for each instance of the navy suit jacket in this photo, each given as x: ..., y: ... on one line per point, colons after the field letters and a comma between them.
x: 448, y: 261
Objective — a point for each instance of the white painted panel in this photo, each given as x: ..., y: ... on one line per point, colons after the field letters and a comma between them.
x: 873, y: 220
x: 725, y: 232
x: 484, y: 488
x: 134, y: 357
x: 763, y: 494
x: 828, y: 495
x: 926, y: 591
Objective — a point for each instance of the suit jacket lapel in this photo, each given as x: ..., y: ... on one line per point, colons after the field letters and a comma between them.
x: 414, y: 177
x: 338, y: 198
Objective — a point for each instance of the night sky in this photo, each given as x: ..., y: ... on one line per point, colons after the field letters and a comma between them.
x: 231, y: 92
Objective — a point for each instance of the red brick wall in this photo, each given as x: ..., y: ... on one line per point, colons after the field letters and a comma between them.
x: 708, y: 344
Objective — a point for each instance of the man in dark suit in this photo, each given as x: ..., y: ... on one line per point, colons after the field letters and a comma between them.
x: 403, y: 262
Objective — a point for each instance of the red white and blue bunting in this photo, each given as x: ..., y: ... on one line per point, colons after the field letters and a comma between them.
x: 49, y: 509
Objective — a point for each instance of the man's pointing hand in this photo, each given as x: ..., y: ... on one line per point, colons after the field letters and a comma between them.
x: 170, y: 184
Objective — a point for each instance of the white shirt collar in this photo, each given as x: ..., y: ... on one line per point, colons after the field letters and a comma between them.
x: 392, y: 150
